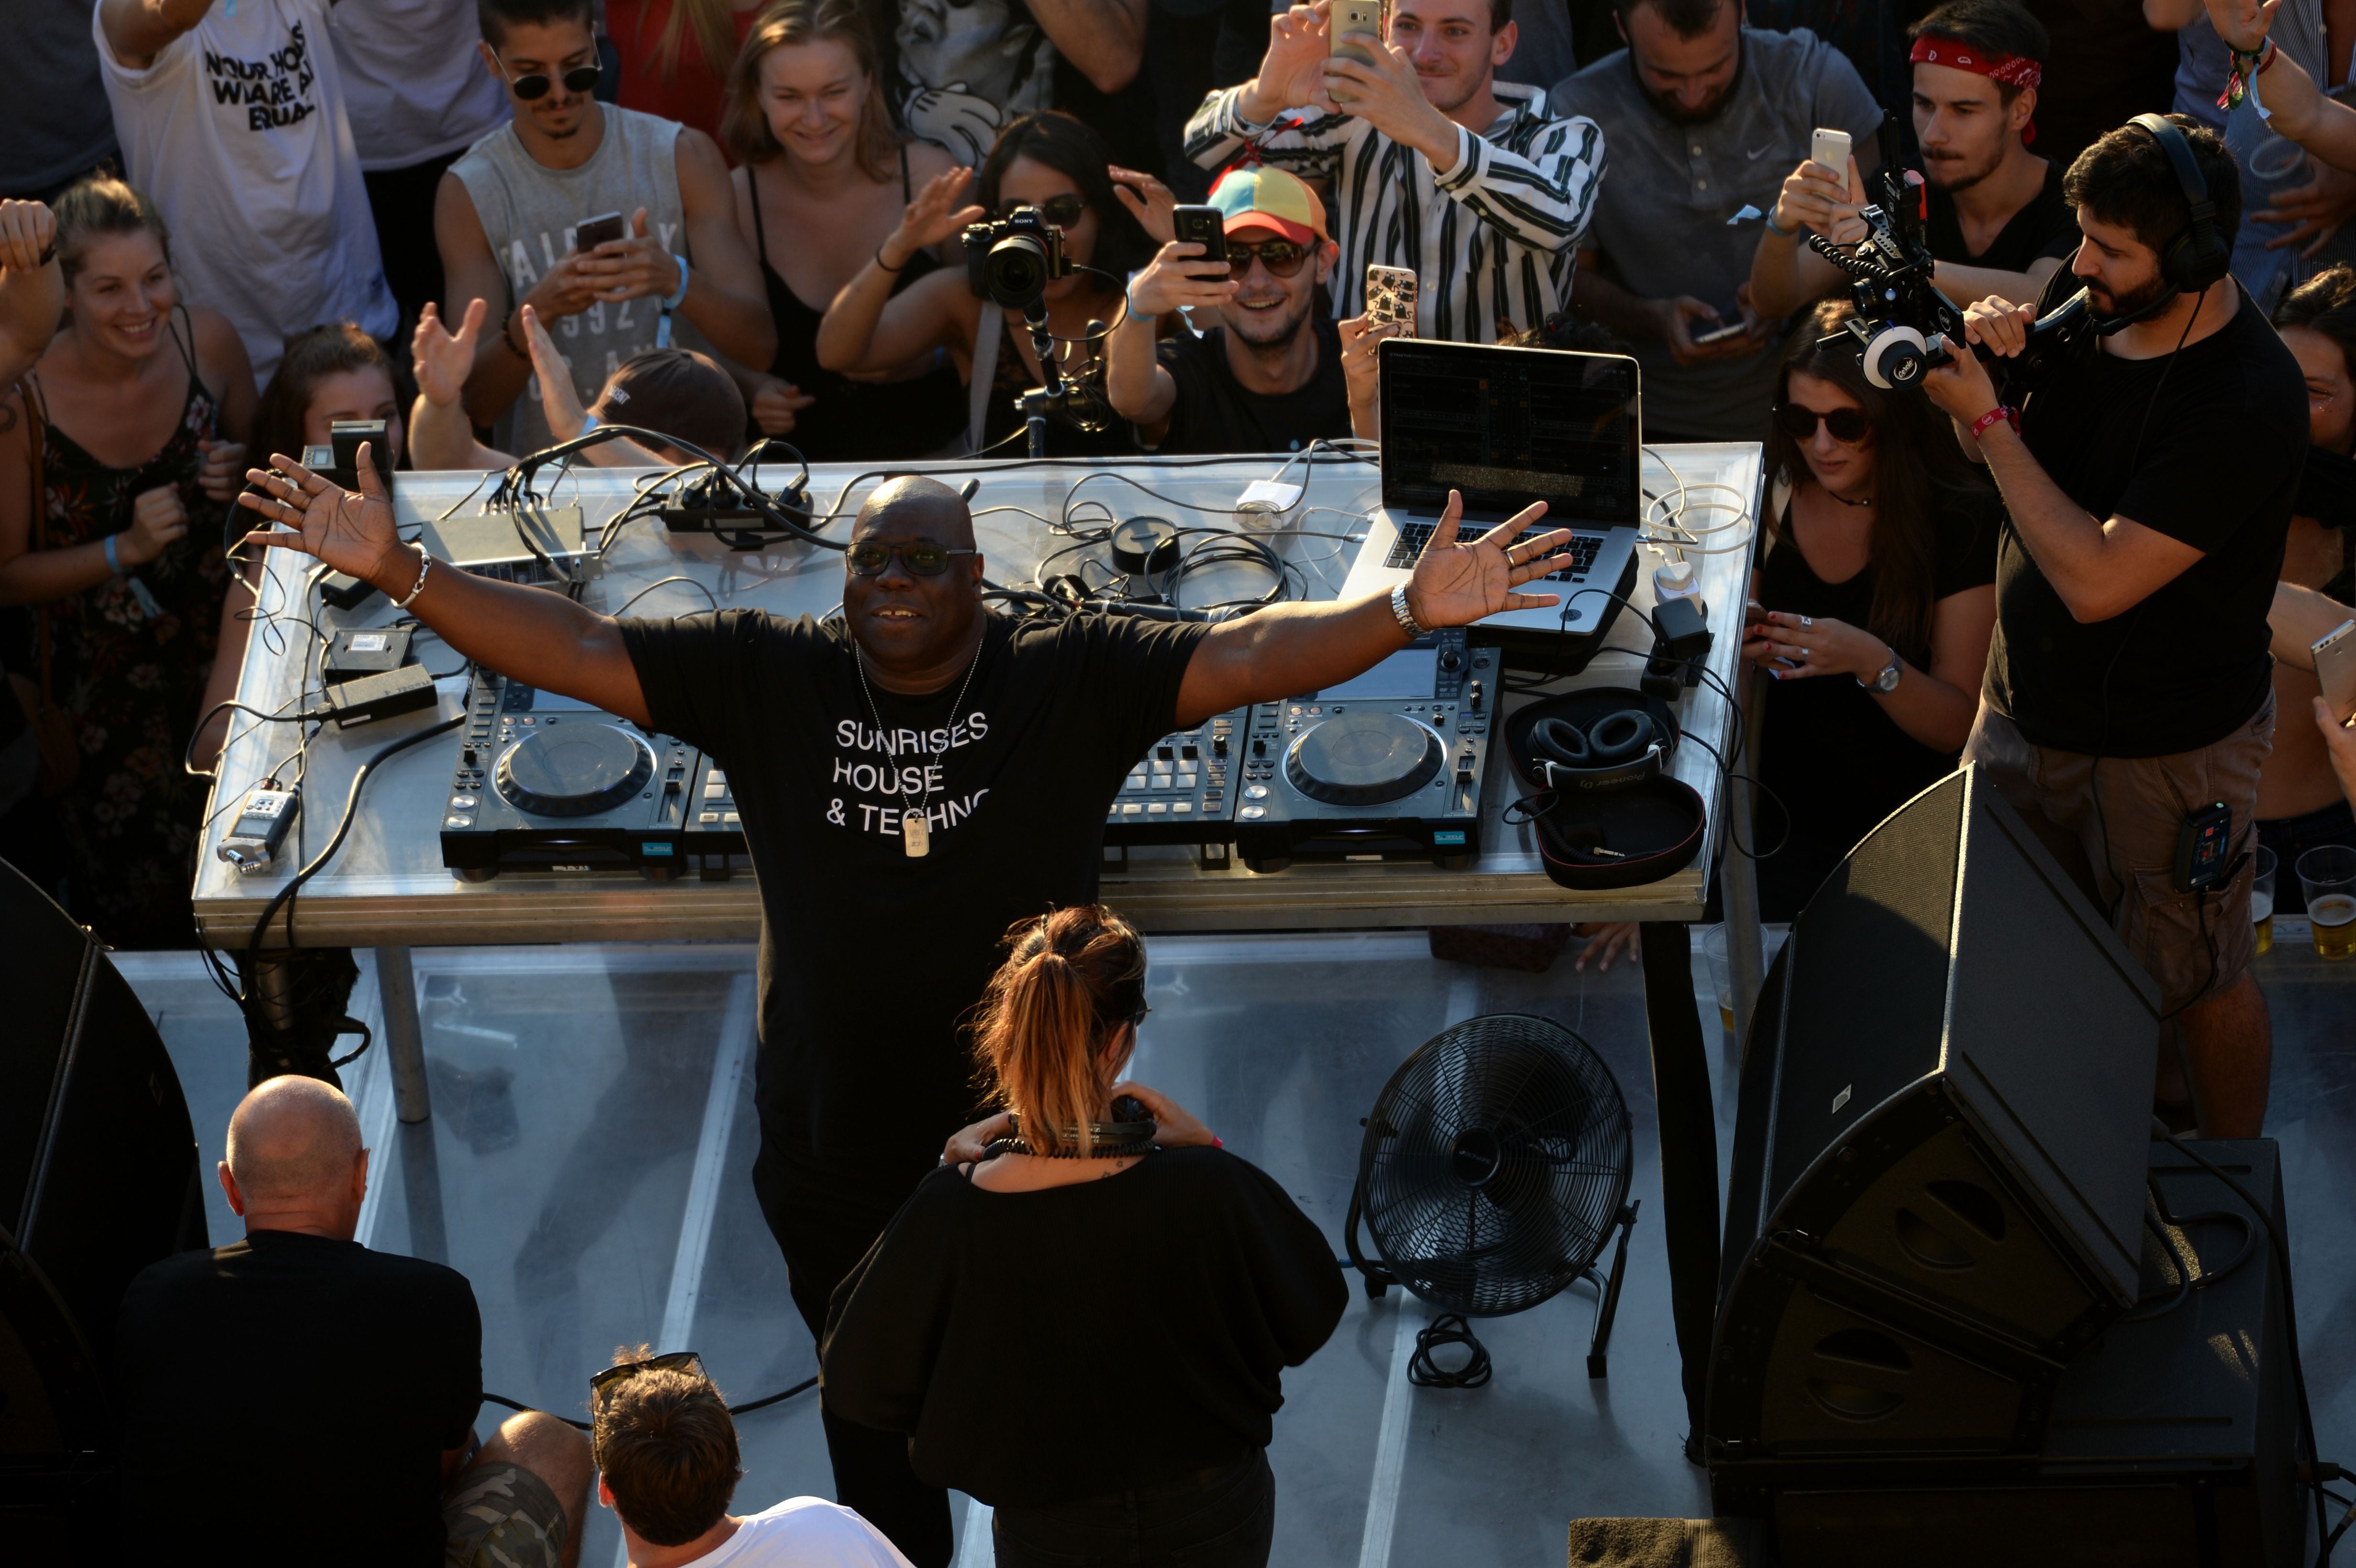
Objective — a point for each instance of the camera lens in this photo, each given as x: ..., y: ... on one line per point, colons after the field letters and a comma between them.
x: 1016, y: 272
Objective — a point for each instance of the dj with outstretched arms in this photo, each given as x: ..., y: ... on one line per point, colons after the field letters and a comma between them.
x: 913, y: 780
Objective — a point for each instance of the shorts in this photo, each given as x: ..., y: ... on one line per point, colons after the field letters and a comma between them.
x: 501, y: 1515
x: 2120, y: 847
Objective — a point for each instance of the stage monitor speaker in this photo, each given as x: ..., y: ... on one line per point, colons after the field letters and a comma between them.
x: 1939, y: 1145
x: 98, y: 1180
x: 2171, y: 1441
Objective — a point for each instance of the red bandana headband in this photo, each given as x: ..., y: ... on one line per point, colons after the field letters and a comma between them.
x: 2013, y: 71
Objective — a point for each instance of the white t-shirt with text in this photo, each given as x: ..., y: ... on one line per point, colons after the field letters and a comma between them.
x: 804, y: 1533
x: 237, y: 132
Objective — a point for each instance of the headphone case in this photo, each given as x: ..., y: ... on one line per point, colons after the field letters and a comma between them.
x: 1655, y: 828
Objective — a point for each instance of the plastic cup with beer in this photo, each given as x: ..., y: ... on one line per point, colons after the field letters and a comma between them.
x: 2327, y: 874
x: 1721, y: 973
x: 2262, y: 900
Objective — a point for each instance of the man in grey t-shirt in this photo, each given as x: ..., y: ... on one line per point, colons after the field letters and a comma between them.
x: 1704, y: 118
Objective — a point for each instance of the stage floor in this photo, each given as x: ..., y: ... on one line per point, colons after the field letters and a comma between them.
x: 587, y: 1169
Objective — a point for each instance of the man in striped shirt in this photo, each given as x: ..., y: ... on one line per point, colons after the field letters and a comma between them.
x: 1435, y: 166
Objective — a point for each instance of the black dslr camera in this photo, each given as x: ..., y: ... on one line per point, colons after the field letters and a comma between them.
x: 1012, y: 260
x: 1904, y: 325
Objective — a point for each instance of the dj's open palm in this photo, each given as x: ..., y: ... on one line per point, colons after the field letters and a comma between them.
x: 1457, y: 582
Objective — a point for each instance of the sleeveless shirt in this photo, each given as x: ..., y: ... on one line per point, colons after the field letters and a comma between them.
x: 529, y: 211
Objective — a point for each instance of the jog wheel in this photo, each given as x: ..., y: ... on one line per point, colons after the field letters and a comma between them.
x: 1364, y: 758
x: 574, y: 770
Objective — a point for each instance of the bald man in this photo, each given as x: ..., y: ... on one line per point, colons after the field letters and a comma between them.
x: 295, y: 1398
x: 913, y: 779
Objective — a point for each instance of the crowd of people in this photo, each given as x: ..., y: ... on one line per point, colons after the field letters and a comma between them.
x: 490, y: 222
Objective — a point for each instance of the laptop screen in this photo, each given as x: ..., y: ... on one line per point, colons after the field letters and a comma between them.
x: 1509, y: 426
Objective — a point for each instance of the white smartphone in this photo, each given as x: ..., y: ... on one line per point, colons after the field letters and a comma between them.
x: 1830, y: 148
x: 1733, y: 328
x: 1390, y: 297
x: 2335, y: 668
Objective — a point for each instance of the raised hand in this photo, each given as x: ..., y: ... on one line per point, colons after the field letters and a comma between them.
x: 2243, y: 23
x: 777, y: 404
x: 1148, y: 201
x: 445, y: 361
x: 351, y: 531
x: 1292, y: 72
x: 1457, y: 582
x: 1174, y: 1126
x: 1815, y: 198
x: 935, y: 216
x: 634, y: 267
x: 158, y: 518
x: 1178, y: 276
x: 224, y: 461
x: 560, y: 401
x: 27, y: 228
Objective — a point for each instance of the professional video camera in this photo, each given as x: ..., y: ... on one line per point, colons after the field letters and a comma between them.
x: 1904, y: 325
x: 1012, y: 260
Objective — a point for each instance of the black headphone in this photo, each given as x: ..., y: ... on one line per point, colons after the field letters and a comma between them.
x: 2196, y: 256
x: 1618, y: 749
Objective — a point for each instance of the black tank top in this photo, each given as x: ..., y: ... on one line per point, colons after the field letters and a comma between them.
x: 856, y: 422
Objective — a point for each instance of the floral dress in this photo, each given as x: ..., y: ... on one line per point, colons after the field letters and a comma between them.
x: 129, y: 670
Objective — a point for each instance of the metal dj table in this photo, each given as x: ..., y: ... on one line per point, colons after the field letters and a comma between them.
x: 388, y: 889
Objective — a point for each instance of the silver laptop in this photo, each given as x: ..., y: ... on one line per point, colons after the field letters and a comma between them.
x: 1508, y: 427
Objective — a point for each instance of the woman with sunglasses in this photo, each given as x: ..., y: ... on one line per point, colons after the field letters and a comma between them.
x: 1872, y: 610
x: 823, y: 170
x: 1083, y: 1317
x: 1059, y: 165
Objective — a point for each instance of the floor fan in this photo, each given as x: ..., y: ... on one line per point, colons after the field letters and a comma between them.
x: 1495, y: 1169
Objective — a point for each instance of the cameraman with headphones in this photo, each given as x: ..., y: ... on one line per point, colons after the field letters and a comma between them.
x: 2148, y: 478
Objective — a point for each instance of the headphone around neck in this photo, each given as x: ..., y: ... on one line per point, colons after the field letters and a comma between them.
x: 2196, y: 256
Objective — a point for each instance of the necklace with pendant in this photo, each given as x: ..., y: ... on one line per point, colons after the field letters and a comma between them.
x: 915, y: 832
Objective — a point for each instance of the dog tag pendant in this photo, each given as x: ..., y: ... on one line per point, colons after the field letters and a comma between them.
x: 916, y: 834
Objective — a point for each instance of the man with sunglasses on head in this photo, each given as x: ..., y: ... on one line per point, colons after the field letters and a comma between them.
x: 231, y: 117
x: 1269, y: 377
x: 505, y: 217
x: 913, y: 779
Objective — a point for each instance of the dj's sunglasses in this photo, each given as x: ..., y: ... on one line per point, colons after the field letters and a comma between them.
x: 535, y: 85
x: 1063, y: 211
x: 921, y: 559
x: 1848, y: 426
x: 669, y: 1361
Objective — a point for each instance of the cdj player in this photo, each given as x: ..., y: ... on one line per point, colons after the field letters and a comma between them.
x: 1385, y: 766
x: 548, y: 784
x: 1178, y: 793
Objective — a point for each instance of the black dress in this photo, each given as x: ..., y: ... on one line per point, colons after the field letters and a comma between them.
x: 856, y: 422
x: 1835, y: 759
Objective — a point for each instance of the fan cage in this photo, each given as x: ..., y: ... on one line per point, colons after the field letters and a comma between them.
x: 1495, y: 1164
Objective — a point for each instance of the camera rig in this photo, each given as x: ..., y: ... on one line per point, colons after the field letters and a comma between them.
x: 1010, y: 261
x: 1904, y: 326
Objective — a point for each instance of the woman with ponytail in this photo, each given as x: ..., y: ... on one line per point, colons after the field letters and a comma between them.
x: 1082, y: 1317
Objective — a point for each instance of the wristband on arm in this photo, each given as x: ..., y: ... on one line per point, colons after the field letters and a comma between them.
x: 1998, y: 415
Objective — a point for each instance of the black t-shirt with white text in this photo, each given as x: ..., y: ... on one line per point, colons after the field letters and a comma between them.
x: 870, y: 957
x: 1215, y: 413
x: 298, y: 1391
x: 2215, y: 464
x: 2048, y: 226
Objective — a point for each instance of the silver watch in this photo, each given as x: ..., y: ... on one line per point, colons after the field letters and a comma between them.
x: 1887, y: 681
x: 1406, y: 617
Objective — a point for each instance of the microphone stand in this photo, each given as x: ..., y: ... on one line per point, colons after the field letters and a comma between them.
x: 1048, y: 396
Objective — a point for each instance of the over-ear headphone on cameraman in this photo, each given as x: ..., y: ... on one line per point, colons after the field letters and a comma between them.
x: 2196, y: 258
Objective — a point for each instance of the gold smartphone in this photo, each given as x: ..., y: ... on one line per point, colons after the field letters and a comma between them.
x: 1353, y: 31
